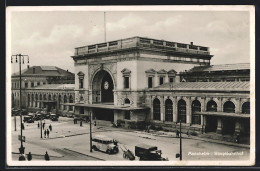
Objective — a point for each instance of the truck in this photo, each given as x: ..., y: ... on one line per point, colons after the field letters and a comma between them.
x: 148, y: 153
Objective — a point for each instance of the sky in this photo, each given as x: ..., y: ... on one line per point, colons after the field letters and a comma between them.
x: 49, y: 37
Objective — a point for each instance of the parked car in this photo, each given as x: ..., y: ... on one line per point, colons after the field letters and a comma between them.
x: 28, y: 119
x: 53, y: 117
x: 38, y: 117
x: 15, y: 112
x: 70, y: 115
x: 104, y: 144
x: 148, y: 153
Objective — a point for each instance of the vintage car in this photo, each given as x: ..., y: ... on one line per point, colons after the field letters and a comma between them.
x: 54, y: 117
x: 148, y: 153
x: 28, y: 119
x: 105, y: 144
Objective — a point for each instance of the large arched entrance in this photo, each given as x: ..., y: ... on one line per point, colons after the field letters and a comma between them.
x: 228, y: 123
x: 102, y: 87
x: 102, y: 92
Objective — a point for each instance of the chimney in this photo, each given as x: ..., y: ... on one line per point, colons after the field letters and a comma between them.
x: 191, y: 43
x: 28, y: 66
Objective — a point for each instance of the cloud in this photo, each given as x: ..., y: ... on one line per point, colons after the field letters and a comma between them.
x: 127, y: 22
x: 58, y: 34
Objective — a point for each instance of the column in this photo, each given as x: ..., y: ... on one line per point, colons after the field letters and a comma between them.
x: 151, y: 106
x: 237, y: 127
x: 174, y: 110
x: 219, y: 103
x: 219, y: 128
x: 188, y: 111
x: 162, y: 108
x: 238, y: 106
x: 203, y: 122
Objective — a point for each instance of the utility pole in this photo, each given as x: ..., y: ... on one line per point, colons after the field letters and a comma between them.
x: 90, y: 133
x: 21, y: 57
x: 180, y: 143
x: 105, y: 25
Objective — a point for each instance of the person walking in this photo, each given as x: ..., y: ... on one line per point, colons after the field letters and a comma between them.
x: 45, y: 133
x: 46, y: 156
x: 29, y: 156
x: 177, y: 133
x: 38, y: 125
x: 48, y: 132
x: 50, y: 127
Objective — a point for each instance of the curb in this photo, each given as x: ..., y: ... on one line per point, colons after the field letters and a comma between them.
x: 83, y: 154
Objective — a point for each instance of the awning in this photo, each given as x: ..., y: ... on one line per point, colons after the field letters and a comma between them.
x: 113, y: 107
x: 224, y: 114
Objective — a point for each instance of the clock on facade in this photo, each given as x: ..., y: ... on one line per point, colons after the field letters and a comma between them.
x: 106, y: 85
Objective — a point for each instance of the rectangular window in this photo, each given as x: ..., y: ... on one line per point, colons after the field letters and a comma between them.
x: 26, y: 85
x: 126, y: 82
x: 171, y: 80
x: 161, y: 80
x: 81, y: 83
x: 32, y: 84
x: 150, y: 82
x: 44, y: 83
x: 127, y: 115
x: 38, y: 83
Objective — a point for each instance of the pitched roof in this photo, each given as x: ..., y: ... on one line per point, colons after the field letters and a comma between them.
x: 56, y: 86
x: 44, y: 71
x: 208, y: 86
x: 224, y: 67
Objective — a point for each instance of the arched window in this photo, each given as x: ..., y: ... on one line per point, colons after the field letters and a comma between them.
x: 71, y: 101
x: 246, y: 108
x: 36, y: 100
x: 32, y: 100
x: 127, y: 101
x: 212, y: 106
x: 65, y: 99
x: 54, y: 97
x: 182, y: 111
x: 29, y: 99
x: 40, y: 104
x: 44, y: 97
x: 196, y: 107
x: 156, y: 109
x: 168, y: 111
x: 49, y: 98
x: 229, y: 107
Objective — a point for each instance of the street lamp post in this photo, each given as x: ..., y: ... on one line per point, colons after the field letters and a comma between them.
x: 90, y: 134
x: 180, y: 143
x: 21, y: 57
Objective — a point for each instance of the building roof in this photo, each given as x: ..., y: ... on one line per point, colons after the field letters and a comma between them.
x: 56, y: 86
x: 224, y: 67
x: 44, y: 71
x: 208, y: 86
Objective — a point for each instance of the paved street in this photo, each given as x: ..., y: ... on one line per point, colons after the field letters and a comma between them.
x: 70, y: 141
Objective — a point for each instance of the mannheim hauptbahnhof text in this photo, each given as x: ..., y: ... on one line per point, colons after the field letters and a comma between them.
x: 139, y: 81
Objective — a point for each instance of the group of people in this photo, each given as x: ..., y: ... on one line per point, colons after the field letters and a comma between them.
x: 46, y: 156
x: 46, y: 132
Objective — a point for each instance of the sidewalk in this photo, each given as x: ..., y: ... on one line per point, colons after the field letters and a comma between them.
x: 185, y: 136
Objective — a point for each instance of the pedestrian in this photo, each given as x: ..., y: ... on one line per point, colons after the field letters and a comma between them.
x: 238, y: 139
x: 29, y: 156
x: 177, y: 133
x: 74, y: 121
x: 50, y: 127
x: 46, y: 156
x: 48, y: 132
x: 45, y: 133
x: 38, y: 125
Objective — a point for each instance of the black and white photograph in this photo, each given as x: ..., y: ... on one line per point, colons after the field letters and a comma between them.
x: 130, y: 85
